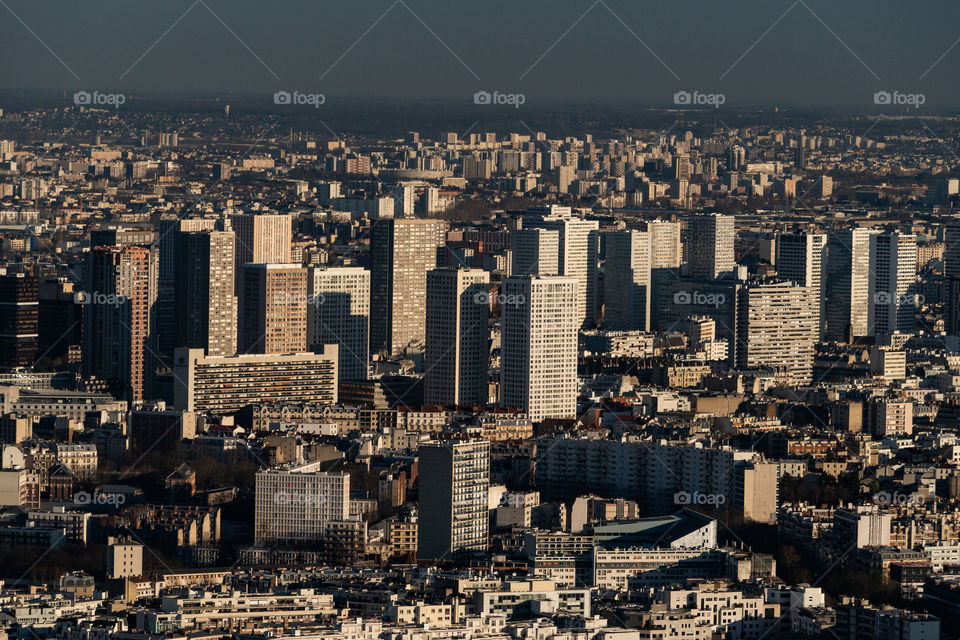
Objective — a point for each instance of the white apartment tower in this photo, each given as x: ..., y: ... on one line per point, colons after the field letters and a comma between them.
x: 538, y: 355
x: 848, y: 284
x: 338, y: 311
x: 800, y: 258
x: 535, y: 252
x: 893, y: 270
x: 626, y: 294
x: 579, y: 246
x: 454, y: 500
x: 456, y: 357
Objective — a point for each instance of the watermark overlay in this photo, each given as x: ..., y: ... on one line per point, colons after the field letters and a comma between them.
x: 699, y: 298
x: 299, y: 99
x: 285, y: 297
x: 496, y: 98
x: 698, y: 99
x: 897, y: 98
x: 902, y: 300
x: 508, y: 299
x: 98, y: 99
x: 897, y: 498
x: 99, y: 498
x: 297, y: 499
x: 97, y: 297
x: 697, y: 498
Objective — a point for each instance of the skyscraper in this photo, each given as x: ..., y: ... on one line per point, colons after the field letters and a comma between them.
x: 120, y: 291
x: 273, y: 309
x: 710, y: 239
x: 536, y: 252
x: 261, y: 238
x: 800, y: 259
x: 338, y: 311
x: 579, y: 245
x: 401, y: 253
x: 457, y: 336
x: 206, y: 309
x: 168, y: 239
x: 538, y: 355
x: 627, y: 280
x: 777, y: 326
x: 454, y: 498
x: 848, y: 284
x: 19, y: 318
x: 893, y: 287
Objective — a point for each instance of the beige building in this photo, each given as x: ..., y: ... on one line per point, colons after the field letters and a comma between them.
x: 756, y: 492
x: 338, y: 311
x: 226, y: 384
x: 206, y: 308
x: 261, y: 238
x: 778, y: 323
x: 124, y: 558
x: 401, y: 253
x: 297, y: 503
x: 273, y: 309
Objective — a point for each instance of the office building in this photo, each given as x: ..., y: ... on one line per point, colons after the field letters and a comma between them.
x: 273, y: 309
x: 893, y: 271
x: 226, y: 384
x: 454, y: 498
x: 19, y: 318
x: 627, y: 280
x: 777, y: 328
x: 800, y: 259
x: 538, y: 355
x: 401, y: 253
x: 297, y: 504
x: 456, y: 359
x: 710, y: 239
x: 848, y: 284
x: 338, y: 312
x: 120, y: 292
x: 206, y: 309
x: 579, y: 246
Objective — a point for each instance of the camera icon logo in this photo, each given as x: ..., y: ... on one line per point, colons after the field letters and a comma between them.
x: 682, y: 297
x: 882, y: 97
x: 882, y: 297
x: 82, y: 97
x: 682, y: 97
x: 282, y: 97
x: 681, y: 497
x: 81, y: 297
x: 482, y: 97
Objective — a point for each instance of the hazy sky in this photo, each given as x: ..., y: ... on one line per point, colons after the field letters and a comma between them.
x: 814, y: 52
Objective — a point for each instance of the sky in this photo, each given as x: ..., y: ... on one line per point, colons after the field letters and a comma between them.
x: 810, y: 53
